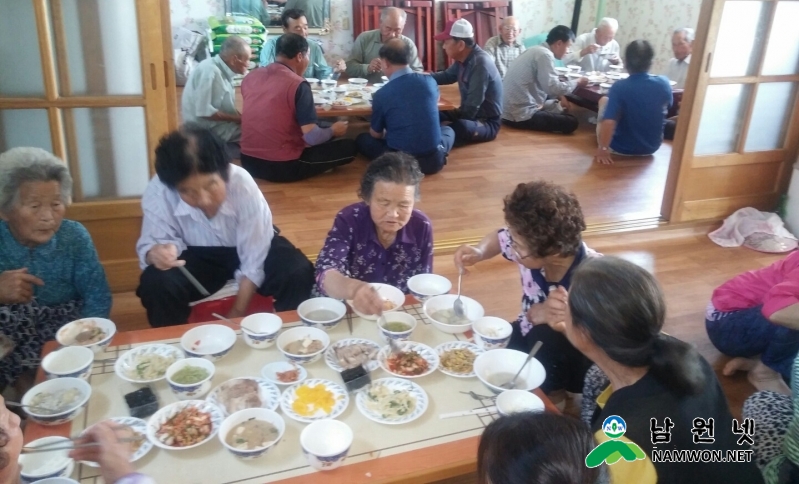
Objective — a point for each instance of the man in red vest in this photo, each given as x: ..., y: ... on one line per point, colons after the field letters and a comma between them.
x: 280, y: 138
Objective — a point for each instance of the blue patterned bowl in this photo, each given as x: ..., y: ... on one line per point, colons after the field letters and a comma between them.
x: 45, y: 465
x: 209, y: 341
x: 230, y: 423
x: 66, y: 334
x: 52, y: 387
x: 425, y: 286
x: 260, y: 330
x: 69, y: 362
x: 396, y: 317
x: 491, y: 333
x: 195, y: 390
x: 326, y: 443
x: 311, y: 309
x: 298, y: 334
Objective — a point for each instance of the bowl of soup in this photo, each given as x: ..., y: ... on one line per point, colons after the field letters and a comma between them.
x: 252, y: 432
x: 190, y: 378
x: 322, y: 312
x: 396, y: 325
x: 303, y: 345
x: 440, y: 310
x: 57, y: 401
x: 494, y: 368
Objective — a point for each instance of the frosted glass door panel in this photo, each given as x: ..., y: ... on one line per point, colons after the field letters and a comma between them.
x: 112, y: 151
x: 20, y: 61
x: 24, y: 127
x: 782, y: 55
x: 102, y: 47
x: 743, y: 25
x: 770, y: 116
x: 722, y: 117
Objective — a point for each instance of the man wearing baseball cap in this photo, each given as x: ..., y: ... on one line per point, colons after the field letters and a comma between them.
x: 479, y: 82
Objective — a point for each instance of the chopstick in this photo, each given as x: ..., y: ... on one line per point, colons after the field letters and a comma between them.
x: 51, y: 447
x: 476, y: 411
x: 194, y: 281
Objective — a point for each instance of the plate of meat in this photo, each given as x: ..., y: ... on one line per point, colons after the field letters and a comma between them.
x: 245, y: 392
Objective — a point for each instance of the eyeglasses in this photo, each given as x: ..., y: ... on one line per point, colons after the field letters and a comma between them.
x: 516, y: 252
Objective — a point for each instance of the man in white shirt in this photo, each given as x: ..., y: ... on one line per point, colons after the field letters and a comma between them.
x: 682, y: 42
x: 596, y: 50
x: 505, y: 47
x: 209, y: 216
x: 209, y: 98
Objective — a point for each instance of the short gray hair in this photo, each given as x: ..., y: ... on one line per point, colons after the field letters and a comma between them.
x: 389, y: 10
x: 233, y: 45
x: 610, y: 23
x: 393, y: 167
x: 23, y: 165
x: 689, y: 33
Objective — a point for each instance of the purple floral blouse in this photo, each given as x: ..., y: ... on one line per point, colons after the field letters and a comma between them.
x: 353, y: 249
x: 535, y: 288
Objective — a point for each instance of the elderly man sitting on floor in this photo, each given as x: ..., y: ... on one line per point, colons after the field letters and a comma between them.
x: 597, y: 50
x: 682, y: 42
x: 364, y: 59
x: 295, y: 22
x: 505, y: 47
x: 209, y: 98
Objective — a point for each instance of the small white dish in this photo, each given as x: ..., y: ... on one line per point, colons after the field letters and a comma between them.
x: 165, y: 414
x: 425, y: 286
x: 358, y: 83
x: 271, y: 370
x: 260, y: 330
x: 299, y: 334
x: 386, y: 292
x: 190, y: 391
x: 575, y: 75
x: 57, y: 480
x: 333, y: 362
x: 242, y: 416
x: 516, y: 401
x: 340, y: 395
x: 493, y: 368
x: 209, y: 341
x: 66, y: 334
x: 426, y: 352
x: 321, y: 312
x: 340, y: 89
x: 128, y: 361
x: 326, y: 443
x: 268, y: 392
x: 363, y: 399
x: 457, y: 345
x: 69, y: 362
x: 53, y: 386
x: 396, y: 317
x: 312, y: 81
x: 45, y: 465
x: 491, y: 333
x: 472, y: 309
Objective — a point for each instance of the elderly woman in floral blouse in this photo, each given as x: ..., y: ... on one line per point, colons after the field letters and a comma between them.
x: 49, y: 270
x: 381, y: 239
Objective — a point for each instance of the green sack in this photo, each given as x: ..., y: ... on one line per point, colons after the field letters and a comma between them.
x: 236, y: 24
x: 255, y: 40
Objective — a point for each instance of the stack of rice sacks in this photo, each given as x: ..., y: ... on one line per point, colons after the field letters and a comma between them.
x: 248, y: 28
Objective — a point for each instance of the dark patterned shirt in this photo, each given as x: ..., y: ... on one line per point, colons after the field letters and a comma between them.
x: 353, y: 249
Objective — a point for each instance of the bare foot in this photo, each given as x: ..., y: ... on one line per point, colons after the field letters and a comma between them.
x: 764, y: 378
x: 739, y: 364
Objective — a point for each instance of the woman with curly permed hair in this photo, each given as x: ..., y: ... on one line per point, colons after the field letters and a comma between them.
x: 543, y: 237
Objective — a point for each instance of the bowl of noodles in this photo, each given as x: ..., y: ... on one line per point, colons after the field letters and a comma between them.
x: 147, y: 364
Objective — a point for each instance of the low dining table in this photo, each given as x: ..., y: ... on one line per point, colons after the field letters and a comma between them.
x: 588, y: 97
x: 425, y: 450
x: 364, y: 108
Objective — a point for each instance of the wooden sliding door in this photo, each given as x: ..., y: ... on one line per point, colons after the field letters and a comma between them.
x: 91, y: 81
x: 738, y: 131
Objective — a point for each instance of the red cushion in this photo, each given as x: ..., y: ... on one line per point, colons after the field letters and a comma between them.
x: 204, y: 311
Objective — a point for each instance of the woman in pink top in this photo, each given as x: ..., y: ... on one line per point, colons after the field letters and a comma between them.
x: 754, y: 318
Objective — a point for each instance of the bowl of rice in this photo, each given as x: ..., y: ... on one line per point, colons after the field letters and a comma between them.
x: 147, y: 364
x: 57, y: 401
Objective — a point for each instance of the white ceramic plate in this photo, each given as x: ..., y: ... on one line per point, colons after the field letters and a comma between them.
x: 332, y: 361
x: 393, y: 384
x: 270, y: 370
x: 426, y: 352
x: 137, y: 425
x: 126, y: 361
x: 270, y: 395
x: 458, y: 345
x: 338, y: 391
x: 160, y: 417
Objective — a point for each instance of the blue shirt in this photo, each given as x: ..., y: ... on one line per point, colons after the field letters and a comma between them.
x: 412, y: 127
x: 67, y: 264
x: 479, y: 83
x: 638, y: 104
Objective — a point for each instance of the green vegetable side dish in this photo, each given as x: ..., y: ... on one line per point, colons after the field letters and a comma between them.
x: 190, y: 374
x: 396, y: 327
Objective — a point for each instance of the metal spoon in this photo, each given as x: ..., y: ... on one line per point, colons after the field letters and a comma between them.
x: 458, y: 306
x: 512, y: 383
